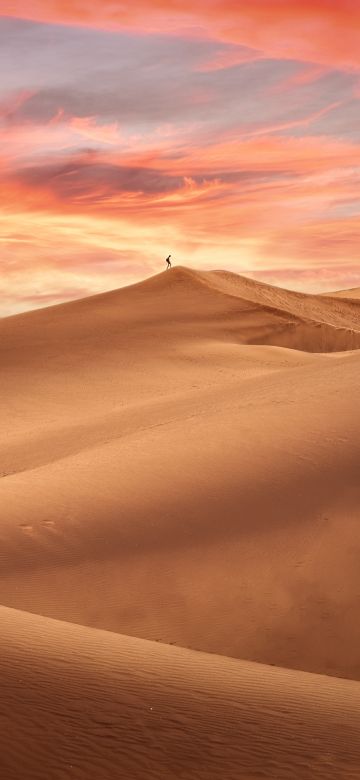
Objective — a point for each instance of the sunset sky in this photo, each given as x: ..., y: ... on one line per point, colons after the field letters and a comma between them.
x: 224, y: 132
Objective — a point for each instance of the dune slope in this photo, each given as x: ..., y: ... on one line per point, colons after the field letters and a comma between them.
x: 90, y: 704
x: 353, y: 294
x: 160, y: 478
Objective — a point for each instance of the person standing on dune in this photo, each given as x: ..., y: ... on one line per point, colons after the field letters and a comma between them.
x: 168, y: 261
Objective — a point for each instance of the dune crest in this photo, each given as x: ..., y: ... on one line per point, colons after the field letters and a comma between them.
x: 219, y: 304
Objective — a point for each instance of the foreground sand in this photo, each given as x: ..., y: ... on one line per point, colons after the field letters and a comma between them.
x: 88, y: 704
x: 180, y: 464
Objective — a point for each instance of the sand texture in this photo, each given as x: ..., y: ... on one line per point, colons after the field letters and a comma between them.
x: 180, y: 464
x: 87, y: 703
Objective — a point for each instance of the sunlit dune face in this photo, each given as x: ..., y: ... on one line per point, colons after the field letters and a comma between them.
x: 228, y: 136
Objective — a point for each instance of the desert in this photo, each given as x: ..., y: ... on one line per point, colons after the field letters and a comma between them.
x: 179, y: 533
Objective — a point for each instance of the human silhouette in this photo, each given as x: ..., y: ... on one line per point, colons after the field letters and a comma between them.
x: 168, y: 261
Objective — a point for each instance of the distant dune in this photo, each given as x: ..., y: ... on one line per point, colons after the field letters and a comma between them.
x: 180, y: 463
x: 353, y: 294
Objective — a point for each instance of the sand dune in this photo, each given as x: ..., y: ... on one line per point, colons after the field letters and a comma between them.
x: 90, y: 704
x: 186, y: 487
x: 352, y: 294
x: 180, y: 464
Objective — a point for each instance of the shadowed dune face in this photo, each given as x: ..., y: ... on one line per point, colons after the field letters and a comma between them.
x: 166, y: 477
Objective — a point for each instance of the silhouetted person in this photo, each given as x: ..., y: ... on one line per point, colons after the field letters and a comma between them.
x: 168, y: 261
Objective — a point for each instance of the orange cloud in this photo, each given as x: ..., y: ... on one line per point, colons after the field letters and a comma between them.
x: 87, y: 127
x: 290, y: 124
x: 260, y: 169
x: 321, y: 31
x: 262, y: 152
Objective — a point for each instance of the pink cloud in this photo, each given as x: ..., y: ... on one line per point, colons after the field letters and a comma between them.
x: 228, y: 58
x: 291, y: 124
x: 308, y: 75
x: 321, y: 31
x: 88, y: 127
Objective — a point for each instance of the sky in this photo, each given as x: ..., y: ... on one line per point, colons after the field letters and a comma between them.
x: 226, y: 133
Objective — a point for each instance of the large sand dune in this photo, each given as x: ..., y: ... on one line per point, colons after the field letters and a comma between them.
x: 180, y: 463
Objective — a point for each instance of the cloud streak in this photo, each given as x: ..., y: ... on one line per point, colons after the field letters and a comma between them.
x: 322, y: 31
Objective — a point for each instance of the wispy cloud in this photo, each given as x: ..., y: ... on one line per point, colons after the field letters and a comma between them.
x: 323, y: 31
